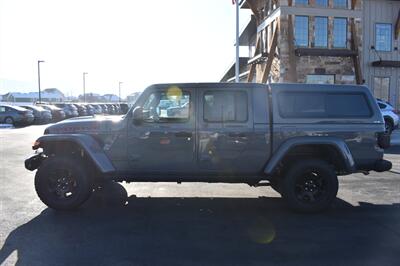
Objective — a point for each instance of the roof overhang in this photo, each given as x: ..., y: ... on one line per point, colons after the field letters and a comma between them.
x: 248, y: 32
x: 230, y: 72
x: 386, y: 63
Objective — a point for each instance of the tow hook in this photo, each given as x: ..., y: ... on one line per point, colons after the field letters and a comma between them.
x: 33, y: 162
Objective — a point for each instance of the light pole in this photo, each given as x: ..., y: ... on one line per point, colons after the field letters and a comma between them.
x: 84, y: 86
x: 119, y: 88
x: 38, y: 66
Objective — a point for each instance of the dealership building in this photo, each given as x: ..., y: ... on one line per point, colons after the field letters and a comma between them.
x: 322, y: 41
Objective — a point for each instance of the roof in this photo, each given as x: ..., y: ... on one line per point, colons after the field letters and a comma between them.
x: 230, y: 72
x: 248, y: 32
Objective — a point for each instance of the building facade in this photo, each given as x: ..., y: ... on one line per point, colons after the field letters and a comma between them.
x: 316, y: 41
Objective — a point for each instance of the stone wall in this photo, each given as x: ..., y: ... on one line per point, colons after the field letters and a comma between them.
x: 341, y: 67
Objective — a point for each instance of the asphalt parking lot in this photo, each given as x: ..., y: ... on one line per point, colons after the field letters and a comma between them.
x: 194, y: 224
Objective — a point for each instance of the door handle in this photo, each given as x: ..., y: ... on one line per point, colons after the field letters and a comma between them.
x: 183, y: 134
x: 237, y: 135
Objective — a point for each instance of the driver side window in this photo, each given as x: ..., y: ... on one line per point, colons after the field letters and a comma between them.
x: 167, y: 106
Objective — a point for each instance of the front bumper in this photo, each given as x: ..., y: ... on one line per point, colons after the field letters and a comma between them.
x: 382, y: 166
x: 33, y: 162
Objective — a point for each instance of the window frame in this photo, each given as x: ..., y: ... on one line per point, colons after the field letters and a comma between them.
x: 301, y: 4
x: 371, y: 113
x: 327, y: 32
x: 346, y: 32
x: 318, y: 5
x: 308, y: 31
x: 340, y: 7
x: 391, y: 36
x: 333, y: 75
x: 228, y: 121
x: 170, y: 120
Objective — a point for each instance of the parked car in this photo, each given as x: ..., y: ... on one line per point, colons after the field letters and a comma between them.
x: 97, y: 109
x: 69, y: 109
x: 388, y: 113
x: 296, y: 138
x: 15, y: 115
x: 82, y: 111
x: 57, y: 113
x: 104, y: 107
x: 41, y: 115
x: 111, y: 109
x: 90, y: 110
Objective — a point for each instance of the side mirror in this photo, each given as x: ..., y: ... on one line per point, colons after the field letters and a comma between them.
x: 137, y: 115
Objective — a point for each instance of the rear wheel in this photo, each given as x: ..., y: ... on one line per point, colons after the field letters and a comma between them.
x: 62, y: 183
x: 310, y: 185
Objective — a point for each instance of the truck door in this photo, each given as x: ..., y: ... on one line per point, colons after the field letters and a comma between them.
x: 165, y: 140
x: 225, y: 130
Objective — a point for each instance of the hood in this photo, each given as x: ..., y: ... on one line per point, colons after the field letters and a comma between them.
x: 88, y: 124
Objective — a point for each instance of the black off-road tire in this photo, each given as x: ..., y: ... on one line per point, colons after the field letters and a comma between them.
x: 305, y: 196
x: 276, y: 184
x: 53, y: 169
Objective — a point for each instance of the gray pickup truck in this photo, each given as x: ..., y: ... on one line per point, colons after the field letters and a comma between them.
x: 296, y: 138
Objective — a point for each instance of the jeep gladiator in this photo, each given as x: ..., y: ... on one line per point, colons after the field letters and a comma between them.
x: 296, y: 138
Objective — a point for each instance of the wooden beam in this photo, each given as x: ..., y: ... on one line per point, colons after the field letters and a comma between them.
x: 254, y: 10
x: 271, y: 53
x: 292, y: 56
x: 253, y: 66
x: 354, y: 47
x: 353, y: 4
x: 324, y: 52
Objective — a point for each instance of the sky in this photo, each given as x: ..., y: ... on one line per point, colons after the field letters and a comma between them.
x: 136, y: 42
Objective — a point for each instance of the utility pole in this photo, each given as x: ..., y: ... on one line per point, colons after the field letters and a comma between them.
x: 237, y: 42
x: 119, y: 88
x: 84, y: 86
x: 38, y: 66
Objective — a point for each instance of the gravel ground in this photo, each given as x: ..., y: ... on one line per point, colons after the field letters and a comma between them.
x: 194, y: 224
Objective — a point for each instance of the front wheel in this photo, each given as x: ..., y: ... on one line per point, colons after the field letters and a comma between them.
x: 62, y: 183
x: 310, y: 185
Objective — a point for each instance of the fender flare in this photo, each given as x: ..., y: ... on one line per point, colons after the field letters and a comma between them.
x: 285, y: 147
x: 87, y: 143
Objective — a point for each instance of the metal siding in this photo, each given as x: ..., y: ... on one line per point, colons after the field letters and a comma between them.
x: 386, y: 12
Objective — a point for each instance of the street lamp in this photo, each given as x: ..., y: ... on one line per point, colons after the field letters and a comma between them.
x: 119, y: 87
x: 84, y: 84
x: 38, y: 66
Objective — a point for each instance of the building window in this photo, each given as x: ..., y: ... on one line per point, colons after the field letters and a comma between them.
x: 301, y: 31
x: 321, y: 3
x: 321, y: 32
x: 340, y: 3
x: 320, y: 79
x: 301, y: 2
x: 339, y: 32
x: 381, y: 88
x: 383, y: 37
